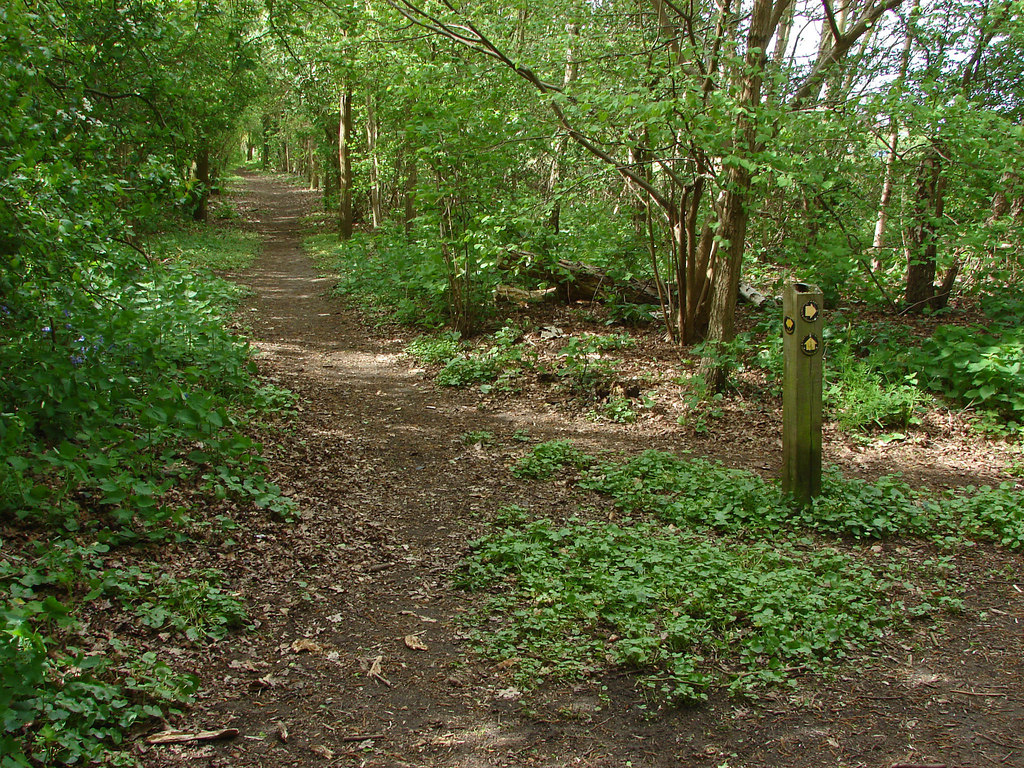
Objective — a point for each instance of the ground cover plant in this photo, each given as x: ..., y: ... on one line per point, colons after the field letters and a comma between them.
x: 688, y: 612
x: 119, y: 418
x: 208, y: 247
x: 709, y: 578
x: 494, y: 364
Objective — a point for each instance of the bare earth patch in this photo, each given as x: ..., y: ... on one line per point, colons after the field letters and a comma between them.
x: 357, y: 656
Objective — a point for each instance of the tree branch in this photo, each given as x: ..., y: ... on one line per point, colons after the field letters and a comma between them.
x: 842, y: 46
x: 831, y: 17
x: 480, y: 43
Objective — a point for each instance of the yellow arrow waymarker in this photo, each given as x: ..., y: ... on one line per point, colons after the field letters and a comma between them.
x: 810, y: 344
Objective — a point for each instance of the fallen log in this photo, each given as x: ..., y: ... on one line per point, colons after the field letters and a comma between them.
x: 585, y: 283
x: 576, y: 281
x: 519, y: 296
x: 751, y: 295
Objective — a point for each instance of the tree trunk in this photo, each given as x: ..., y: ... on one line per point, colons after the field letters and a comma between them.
x: 376, y: 198
x: 921, y: 243
x: 345, y: 217
x: 410, y: 193
x: 311, y: 165
x: 896, y: 92
x: 1008, y: 199
x: 330, y: 161
x: 554, y: 218
x: 882, y: 219
x: 785, y: 30
x: 265, y: 155
x: 202, y: 196
x: 735, y: 212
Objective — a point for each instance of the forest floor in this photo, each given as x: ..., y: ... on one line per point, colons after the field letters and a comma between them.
x: 357, y: 656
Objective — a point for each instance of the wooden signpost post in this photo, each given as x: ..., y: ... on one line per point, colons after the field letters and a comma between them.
x: 801, y: 391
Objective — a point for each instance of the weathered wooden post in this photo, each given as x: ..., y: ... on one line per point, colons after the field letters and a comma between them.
x: 802, y: 350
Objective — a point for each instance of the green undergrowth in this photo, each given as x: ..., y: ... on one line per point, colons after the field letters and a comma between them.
x: 979, y: 368
x: 496, y: 364
x: 500, y: 361
x: 880, y: 377
x: 688, y: 612
x: 209, y: 247
x: 390, y: 278
x: 710, y: 579
x: 127, y: 413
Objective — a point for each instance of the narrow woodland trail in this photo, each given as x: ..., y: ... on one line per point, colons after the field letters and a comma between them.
x: 356, y: 658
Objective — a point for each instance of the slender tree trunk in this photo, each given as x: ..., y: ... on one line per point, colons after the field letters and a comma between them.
x: 310, y: 165
x: 785, y: 30
x: 331, y: 170
x: 735, y: 211
x: 376, y: 198
x: 411, y: 178
x: 554, y: 218
x: 921, y: 242
x: 1008, y: 199
x: 345, y: 216
x: 881, y: 220
x: 200, y: 212
x: 265, y: 155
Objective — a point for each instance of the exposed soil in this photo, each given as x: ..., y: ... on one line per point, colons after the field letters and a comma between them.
x: 390, y: 494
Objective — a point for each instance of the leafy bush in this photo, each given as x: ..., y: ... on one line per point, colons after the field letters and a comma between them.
x: 860, y: 398
x: 209, y: 247
x: 411, y: 283
x: 113, y: 400
x: 470, y: 369
x: 584, y: 370
x: 117, y: 389
x: 973, y: 366
x: 619, y: 409
x: 197, y: 606
x: 1004, y: 307
x: 481, y: 437
x: 387, y: 276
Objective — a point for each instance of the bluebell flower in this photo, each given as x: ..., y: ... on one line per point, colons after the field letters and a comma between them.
x: 4, y: 309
